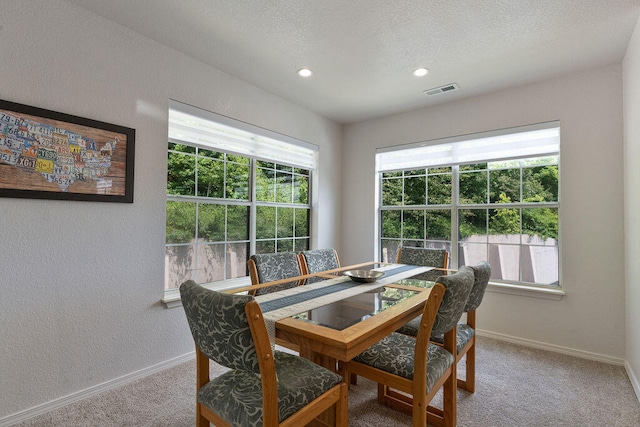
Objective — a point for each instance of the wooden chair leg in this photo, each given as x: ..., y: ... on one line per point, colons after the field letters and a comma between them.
x: 382, y: 391
x: 202, y: 378
x: 201, y: 421
x: 342, y: 407
x: 419, y: 410
x: 449, y: 405
x: 470, y: 381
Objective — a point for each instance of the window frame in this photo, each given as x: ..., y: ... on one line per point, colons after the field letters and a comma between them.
x: 297, y: 172
x: 508, y: 286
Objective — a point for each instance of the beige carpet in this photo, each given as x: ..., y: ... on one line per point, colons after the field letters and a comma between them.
x: 516, y: 386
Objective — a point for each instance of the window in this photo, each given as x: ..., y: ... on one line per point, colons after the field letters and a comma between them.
x: 488, y: 197
x: 231, y: 192
x: 282, y: 208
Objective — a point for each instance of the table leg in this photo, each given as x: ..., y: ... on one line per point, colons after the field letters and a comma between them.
x: 320, y: 359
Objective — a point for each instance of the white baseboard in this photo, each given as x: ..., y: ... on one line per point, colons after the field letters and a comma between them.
x: 554, y: 348
x: 83, y: 394
x: 634, y: 380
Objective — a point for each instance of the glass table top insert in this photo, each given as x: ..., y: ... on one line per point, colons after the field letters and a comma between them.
x: 349, y: 311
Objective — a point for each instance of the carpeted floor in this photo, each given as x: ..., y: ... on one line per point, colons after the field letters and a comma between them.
x: 515, y: 386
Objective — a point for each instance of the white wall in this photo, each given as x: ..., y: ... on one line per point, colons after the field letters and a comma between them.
x: 81, y: 282
x: 631, y: 79
x: 589, y: 320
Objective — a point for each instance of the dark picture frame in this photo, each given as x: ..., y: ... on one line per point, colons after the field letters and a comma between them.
x: 45, y: 154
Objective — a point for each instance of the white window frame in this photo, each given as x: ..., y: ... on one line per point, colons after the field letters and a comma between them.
x: 529, y: 141
x: 204, y: 129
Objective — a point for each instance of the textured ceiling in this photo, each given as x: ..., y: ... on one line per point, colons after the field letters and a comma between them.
x: 363, y: 52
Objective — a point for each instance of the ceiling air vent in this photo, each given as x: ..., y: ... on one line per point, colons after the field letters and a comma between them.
x: 442, y: 89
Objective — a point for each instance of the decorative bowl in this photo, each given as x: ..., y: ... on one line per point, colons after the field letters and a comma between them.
x: 364, y: 275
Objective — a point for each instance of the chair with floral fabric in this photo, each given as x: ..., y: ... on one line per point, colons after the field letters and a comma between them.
x: 270, y: 267
x: 465, y: 331
x: 410, y: 371
x: 317, y: 260
x: 438, y: 258
x: 263, y: 387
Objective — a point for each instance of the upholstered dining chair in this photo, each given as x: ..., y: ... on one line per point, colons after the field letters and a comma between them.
x: 263, y: 387
x: 411, y: 370
x: 273, y: 266
x: 317, y: 260
x: 465, y: 331
x: 426, y: 257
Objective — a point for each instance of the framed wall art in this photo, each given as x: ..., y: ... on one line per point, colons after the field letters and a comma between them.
x: 49, y: 155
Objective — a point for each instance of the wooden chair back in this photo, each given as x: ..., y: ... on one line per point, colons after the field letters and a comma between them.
x: 467, y: 332
x: 318, y: 260
x: 230, y: 330
x: 270, y: 267
x: 409, y: 392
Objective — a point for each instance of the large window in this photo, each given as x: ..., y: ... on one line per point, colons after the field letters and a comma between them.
x: 487, y: 197
x: 228, y: 198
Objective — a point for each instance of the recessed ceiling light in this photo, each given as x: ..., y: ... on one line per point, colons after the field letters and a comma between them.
x: 305, y: 72
x: 421, y: 72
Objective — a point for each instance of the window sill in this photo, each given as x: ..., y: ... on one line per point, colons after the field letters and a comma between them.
x: 526, y: 291
x: 171, y: 298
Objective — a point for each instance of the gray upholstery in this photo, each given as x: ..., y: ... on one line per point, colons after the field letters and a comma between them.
x: 394, y: 354
x: 219, y: 326
x: 220, y: 329
x: 318, y: 260
x: 464, y: 333
x: 424, y: 257
x: 276, y: 266
x: 482, y: 274
x: 411, y: 329
x: 457, y: 289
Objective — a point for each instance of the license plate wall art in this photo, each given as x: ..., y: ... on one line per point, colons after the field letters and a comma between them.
x: 49, y: 155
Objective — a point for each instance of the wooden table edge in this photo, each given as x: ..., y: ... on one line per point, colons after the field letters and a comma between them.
x: 346, y: 343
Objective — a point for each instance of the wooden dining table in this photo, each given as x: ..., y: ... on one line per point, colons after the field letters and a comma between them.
x: 363, y: 319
